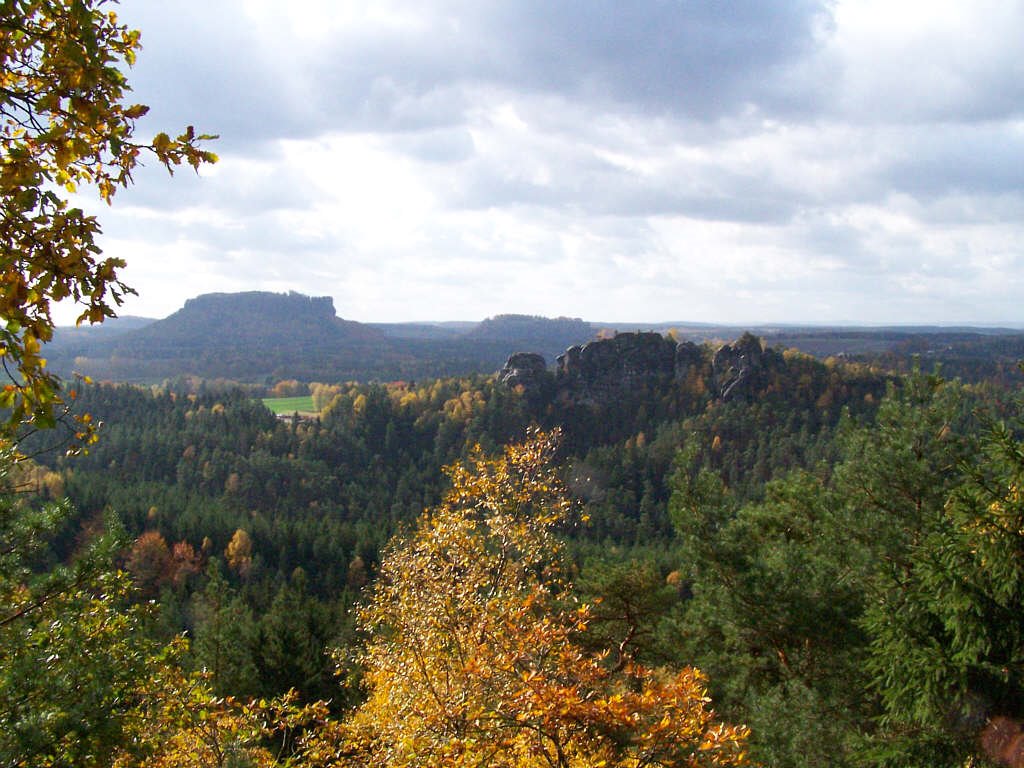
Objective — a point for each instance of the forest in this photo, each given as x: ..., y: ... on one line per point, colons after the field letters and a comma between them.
x: 263, y: 338
x: 663, y: 553
x: 837, y: 549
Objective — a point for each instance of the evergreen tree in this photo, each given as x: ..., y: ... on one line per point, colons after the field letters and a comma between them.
x: 72, y: 651
x: 224, y: 636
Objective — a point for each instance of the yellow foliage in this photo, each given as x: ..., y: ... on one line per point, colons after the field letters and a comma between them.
x: 26, y: 475
x: 323, y: 395
x: 64, y: 126
x: 290, y: 388
x: 462, y: 407
x: 239, y: 553
x: 474, y: 656
x: 179, y: 723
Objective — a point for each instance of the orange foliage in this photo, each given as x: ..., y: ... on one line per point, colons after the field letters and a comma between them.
x: 474, y: 655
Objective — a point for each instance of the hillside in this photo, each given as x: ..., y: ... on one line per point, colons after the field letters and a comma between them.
x: 692, y: 466
x: 252, y: 319
x: 245, y: 336
x: 259, y: 337
x: 256, y: 336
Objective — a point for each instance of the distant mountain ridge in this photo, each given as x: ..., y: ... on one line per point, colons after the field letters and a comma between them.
x: 505, y: 326
x: 111, y: 327
x: 261, y: 337
x: 256, y: 336
x: 248, y: 336
x: 547, y: 336
x: 229, y: 319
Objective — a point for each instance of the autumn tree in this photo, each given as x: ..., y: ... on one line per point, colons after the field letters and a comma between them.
x: 239, y: 553
x: 474, y: 655
x: 65, y: 126
x: 149, y: 562
x: 177, y: 721
x: 82, y: 682
x: 73, y: 654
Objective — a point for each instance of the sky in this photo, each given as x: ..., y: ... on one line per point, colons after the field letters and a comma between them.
x: 653, y: 160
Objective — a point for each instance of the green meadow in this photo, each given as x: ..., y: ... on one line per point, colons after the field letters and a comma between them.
x: 288, y: 405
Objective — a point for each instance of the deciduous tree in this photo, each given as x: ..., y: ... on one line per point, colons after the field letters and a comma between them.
x: 239, y: 553
x: 474, y: 656
x: 73, y: 655
x: 65, y: 125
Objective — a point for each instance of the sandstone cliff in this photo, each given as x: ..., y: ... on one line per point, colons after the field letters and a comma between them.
x: 604, y: 369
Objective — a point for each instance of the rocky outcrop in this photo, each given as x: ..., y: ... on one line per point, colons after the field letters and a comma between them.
x: 526, y: 369
x: 688, y: 356
x: 605, y: 369
x: 737, y: 367
x: 618, y: 363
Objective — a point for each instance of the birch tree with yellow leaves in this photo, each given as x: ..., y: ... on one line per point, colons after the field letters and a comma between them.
x: 474, y: 656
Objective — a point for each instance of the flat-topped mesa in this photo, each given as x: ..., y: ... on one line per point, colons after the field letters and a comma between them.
x: 290, y: 305
x: 247, y: 325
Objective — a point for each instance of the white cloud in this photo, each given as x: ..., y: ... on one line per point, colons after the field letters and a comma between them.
x: 925, y: 60
x: 795, y: 161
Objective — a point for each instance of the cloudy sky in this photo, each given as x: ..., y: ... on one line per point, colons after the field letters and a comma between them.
x: 732, y: 161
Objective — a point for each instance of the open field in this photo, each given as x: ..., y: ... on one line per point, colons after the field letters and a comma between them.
x: 288, y: 405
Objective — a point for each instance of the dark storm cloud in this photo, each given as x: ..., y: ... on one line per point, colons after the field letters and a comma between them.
x: 697, y: 59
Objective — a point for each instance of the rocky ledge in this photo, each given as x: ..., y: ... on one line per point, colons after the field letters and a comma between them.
x: 600, y: 369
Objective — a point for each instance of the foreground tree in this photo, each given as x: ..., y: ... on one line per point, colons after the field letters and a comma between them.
x: 877, y: 607
x: 772, y: 617
x: 64, y: 126
x: 74, y: 659
x: 474, y: 655
x: 82, y: 683
x: 71, y: 650
x: 948, y: 659
x: 178, y: 722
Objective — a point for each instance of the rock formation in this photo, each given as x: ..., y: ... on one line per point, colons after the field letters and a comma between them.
x: 688, y: 355
x: 622, y: 362
x: 736, y: 367
x: 524, y: 368
x: 609, y: 368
